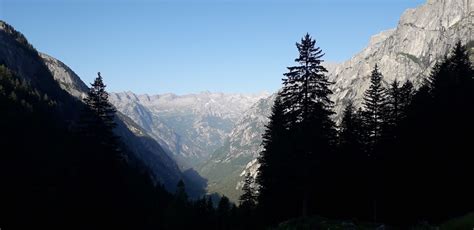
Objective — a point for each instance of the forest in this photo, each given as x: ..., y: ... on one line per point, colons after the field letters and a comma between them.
x: 400, y: 157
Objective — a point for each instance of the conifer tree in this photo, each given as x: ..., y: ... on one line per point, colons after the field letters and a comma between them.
x: 223, y: 213
x: 375, y: 123
x: 394, y: 103
x: 452, y: 78
x: 438, y: 137
x: 375, y: 101
x: 350, y: 134
x: 305, y: 98
x: 223, y: 207
x: 248, y: 198
x: 97, y: 101
x: 97, y: 119
x: 247, y: 203
x: 180, y: 193
x: 306, y: 85
x: 406, y: 95
x: 351, y: 165
x: 273, y: 182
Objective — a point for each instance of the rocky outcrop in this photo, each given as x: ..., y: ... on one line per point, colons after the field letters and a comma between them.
x: 422, y: 37
x: 67, y: 79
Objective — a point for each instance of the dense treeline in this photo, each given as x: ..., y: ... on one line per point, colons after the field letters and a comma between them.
x: 403, y: 156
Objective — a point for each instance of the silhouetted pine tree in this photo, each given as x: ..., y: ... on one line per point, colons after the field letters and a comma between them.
x: 452, y: 91
x: 350, y: 133
x: 435, y: 142
x: 247, y: 204
x: 306, y: 86
x: 375, y: 123
x: 375, y: 101
x: 394, y: 101
x: 180, y: 193
x: 305, y: 97
x: 274, y: 183
x: 179, y: 209
x: 248, y: 198
x: 406, y: 95
x: 223, y: 213
x: 350, y: 166
x: 98, y: 117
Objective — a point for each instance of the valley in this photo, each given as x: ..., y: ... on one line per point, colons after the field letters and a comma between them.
x: 378, y: 140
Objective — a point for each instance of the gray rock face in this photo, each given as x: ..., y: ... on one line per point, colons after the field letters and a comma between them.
x: 191, y: 126
x: 67, y: 79
x: 423, y: 35
x: 408, y: 52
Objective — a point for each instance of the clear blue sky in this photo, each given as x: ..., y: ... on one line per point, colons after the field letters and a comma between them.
x: 186, y: 46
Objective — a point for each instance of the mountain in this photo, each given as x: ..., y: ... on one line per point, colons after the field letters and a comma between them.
x: 49, y: 75
x: 238, y: 155
x: 67, y: 79
x: 191, y: 126
x: 408, y: 52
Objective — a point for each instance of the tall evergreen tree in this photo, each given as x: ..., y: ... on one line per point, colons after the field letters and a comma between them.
x: 453, y: 97
x: 375, y: 101
x: 394, y: 101
x: 406, y: 95
x: 248, y: 198
x: 305, y: 97
x: 306, y: 85
x: 98, y: 102
x: 180, y: 193
x: 97, y: 120
x: 451, y: 79
x: 223, y: 213
x: 375, y: 123
x: 248, y: 202
x: 273, y: 182
x: 350, y: 137
x: 351, y: 165
x: 436, y: 141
